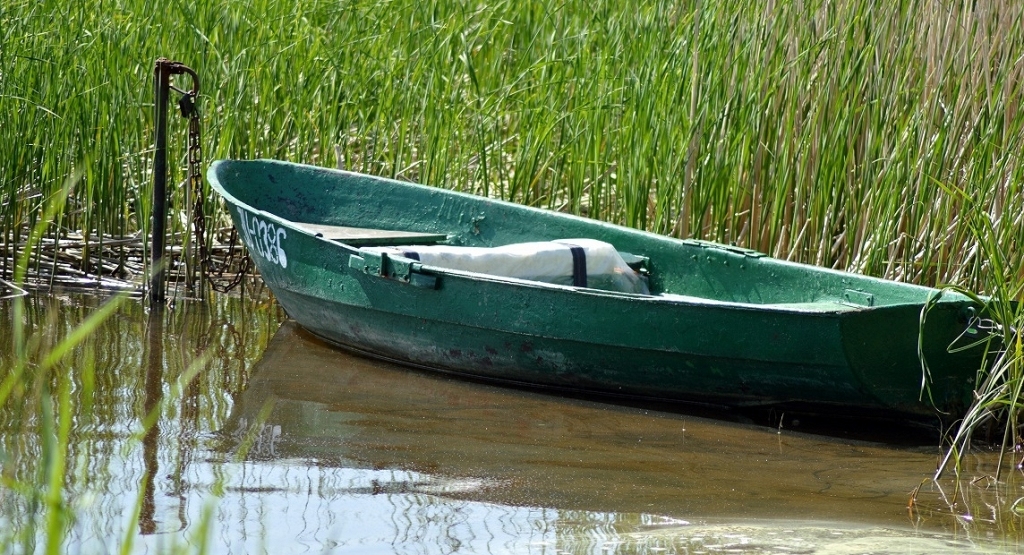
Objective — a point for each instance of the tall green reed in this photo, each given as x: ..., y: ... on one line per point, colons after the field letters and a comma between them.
x: 813, y: 130
x: 999, y: 396
x: 33, y: 377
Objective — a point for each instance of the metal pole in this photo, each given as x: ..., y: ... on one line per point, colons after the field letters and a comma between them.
x: 161, y: 85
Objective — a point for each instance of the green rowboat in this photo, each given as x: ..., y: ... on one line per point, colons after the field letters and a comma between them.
x: 497, y: 291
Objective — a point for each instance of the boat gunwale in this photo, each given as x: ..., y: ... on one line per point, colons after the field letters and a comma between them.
x: 834, y: 308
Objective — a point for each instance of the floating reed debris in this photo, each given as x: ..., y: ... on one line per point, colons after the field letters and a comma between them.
x: 110, y: 263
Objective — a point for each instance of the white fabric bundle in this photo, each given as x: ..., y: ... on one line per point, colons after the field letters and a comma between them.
x: 579, y: 262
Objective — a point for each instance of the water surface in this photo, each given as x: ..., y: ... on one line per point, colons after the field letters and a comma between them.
x: 269, y: 440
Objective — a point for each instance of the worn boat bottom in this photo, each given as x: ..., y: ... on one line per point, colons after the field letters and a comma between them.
x: 873, y: 425
x: 483, y: 352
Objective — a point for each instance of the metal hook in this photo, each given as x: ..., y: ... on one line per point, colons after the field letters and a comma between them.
x: 178, y: 68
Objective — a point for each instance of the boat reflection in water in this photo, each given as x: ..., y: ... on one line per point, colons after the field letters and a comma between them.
x: 343, y: 453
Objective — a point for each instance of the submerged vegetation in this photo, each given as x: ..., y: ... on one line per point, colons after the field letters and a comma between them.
x: 882, y: 138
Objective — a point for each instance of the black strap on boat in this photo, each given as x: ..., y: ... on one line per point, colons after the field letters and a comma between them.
x: 579, y: 265
x: 411, y: 254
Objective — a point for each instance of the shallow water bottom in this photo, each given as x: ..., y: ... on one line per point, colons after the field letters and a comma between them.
x: 269, y: 440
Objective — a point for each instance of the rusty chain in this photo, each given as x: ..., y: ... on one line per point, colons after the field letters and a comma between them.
x: 215, y: 278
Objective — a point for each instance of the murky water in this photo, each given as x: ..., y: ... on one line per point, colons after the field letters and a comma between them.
x: 270, y: 441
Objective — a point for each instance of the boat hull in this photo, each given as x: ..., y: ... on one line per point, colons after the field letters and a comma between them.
x: 768, y: 359
x: 822, y: 352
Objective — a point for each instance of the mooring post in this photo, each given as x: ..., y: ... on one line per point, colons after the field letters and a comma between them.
x: 162, y: 73
x: 161, y: 85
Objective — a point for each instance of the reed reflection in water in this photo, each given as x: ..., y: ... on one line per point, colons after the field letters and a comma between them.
x: 275, y: 442
x: 179, y: 370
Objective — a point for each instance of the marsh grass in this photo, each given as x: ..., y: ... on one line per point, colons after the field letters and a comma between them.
x: 999, y: 395
x: 812, y: 130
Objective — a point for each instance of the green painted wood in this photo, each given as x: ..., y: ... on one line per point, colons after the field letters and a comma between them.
x: 370, y: 237
x: 722, y: 324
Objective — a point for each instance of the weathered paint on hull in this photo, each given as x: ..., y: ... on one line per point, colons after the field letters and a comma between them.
x: 764, y: 343
x: 572, y: 364
x: 613, y: 345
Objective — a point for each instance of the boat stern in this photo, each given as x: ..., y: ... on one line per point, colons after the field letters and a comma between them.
x: 918, y: 360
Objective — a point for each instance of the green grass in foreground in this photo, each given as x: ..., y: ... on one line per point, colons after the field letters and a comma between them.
x: 883, y: 138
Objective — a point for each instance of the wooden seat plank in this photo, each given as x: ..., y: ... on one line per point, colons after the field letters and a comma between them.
x: 364, y: 236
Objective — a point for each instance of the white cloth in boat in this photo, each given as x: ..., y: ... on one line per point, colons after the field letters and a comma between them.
x: 578, y: 262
